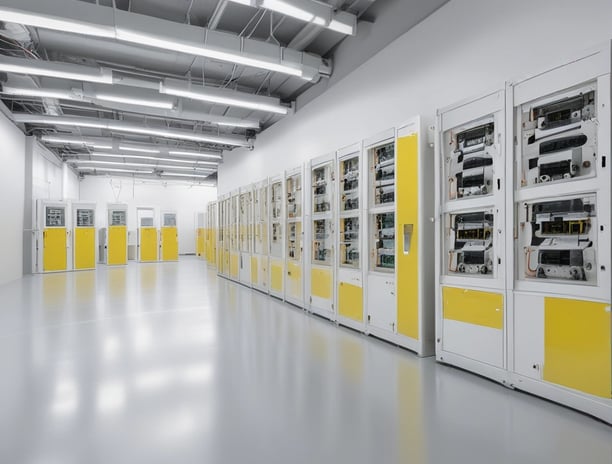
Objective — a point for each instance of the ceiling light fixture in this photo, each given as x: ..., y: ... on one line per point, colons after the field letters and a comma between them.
x: 70, y: 141
x: 195, y: 153
x: 183, y: 175
x: 154, y: 158
x: 123, y: 126
x: 79, y: 162
x: 164, y: 105
x: 55, y: 69
x: 222, y: 96
x: 151, y: 40
x: 39, y: 93
x: 138, y: 149
x: 309, y: 11
x: 103, y: 169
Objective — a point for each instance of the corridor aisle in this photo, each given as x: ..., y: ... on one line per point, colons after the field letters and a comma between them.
x: 167, y: 363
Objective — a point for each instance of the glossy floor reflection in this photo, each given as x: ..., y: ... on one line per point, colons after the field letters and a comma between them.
x: 166, y: 363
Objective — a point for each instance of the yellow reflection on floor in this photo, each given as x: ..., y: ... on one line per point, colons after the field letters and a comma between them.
x: 116, y: 281
x: 85, y: 285
x: 352, y: 359
x: 318, y: 346
x: 54, y: 288
x: 411, y: 438
x: 148, y: 276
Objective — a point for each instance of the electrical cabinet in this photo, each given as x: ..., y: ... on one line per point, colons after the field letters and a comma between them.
x: 234, y: 246
x: 559, y: 234
x: 320, y: 281
x: 169, y: 243
x: 400, y: 238
x: 294, y: 261
x: 147, y: 238
x: 245, y: 237
x: 52, y: 238
x: 381, y: 291
x: 113, y: 238
x: 276, y: 198
x: 470, y: 217
x: 349, y: 238
x: 84, y: 236
x: 260, y: 245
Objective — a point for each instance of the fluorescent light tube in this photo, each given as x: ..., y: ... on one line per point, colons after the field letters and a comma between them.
x: 55, y: 23
x: 195, y: 153
x: 42, y: 93
x: 341, y: 27
x: 182, y: 175
x: 103, y: 169
x: 288, y: 9
x: 137, y: 149
x: 164, y: 105
x: 222, y: 96
x: 67, y: 141
x: 144, y: 165
x: 154, y: 158
x: 55, y: 69
x: 123, y: 126
x: 151, y: 40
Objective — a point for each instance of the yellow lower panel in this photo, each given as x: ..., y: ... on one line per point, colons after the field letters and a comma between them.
x: 169, y: 244
x: 54, y: 249
x: 407, y: 237
x: 321, y: 283
x: 117, y: 245
x: 276, y: 276
x: 148, y: 244
x: 294, y: 279
x: 234, y: 265
x: 200, y: 241
x: 84, y: 248
x: 254, y: 270
x: 473, y: 307
x: 577, y: 345
x: 350, y: 301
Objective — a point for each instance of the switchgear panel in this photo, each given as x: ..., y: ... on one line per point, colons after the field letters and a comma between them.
x: 469, y: 152
x: 559, y: 137
x: 382, y: 242
x: 382, y: 166
x: 559, y: 240
x: 469, y: 242
x: 55, y: 216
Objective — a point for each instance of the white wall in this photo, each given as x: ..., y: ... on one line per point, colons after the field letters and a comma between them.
x: 184, y: 199
x: 466, y: 48
x: 52, y: 179
x: 12, y: 192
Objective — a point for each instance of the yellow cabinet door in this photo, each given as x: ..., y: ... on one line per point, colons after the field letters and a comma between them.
x: 350, y: 301
x: 276, y: 276
x: 169, y: 237
x: 148, y: 244
x: 473, y: 307
x: 294, y: 280
x: 321, y: 282
x: 407, y: 227
x: 54, y: 249
x: 577, y: 345
x: 117, y: 245
x: 84, y: 248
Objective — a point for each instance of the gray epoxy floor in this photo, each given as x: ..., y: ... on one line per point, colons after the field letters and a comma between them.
x: 166, y: 363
